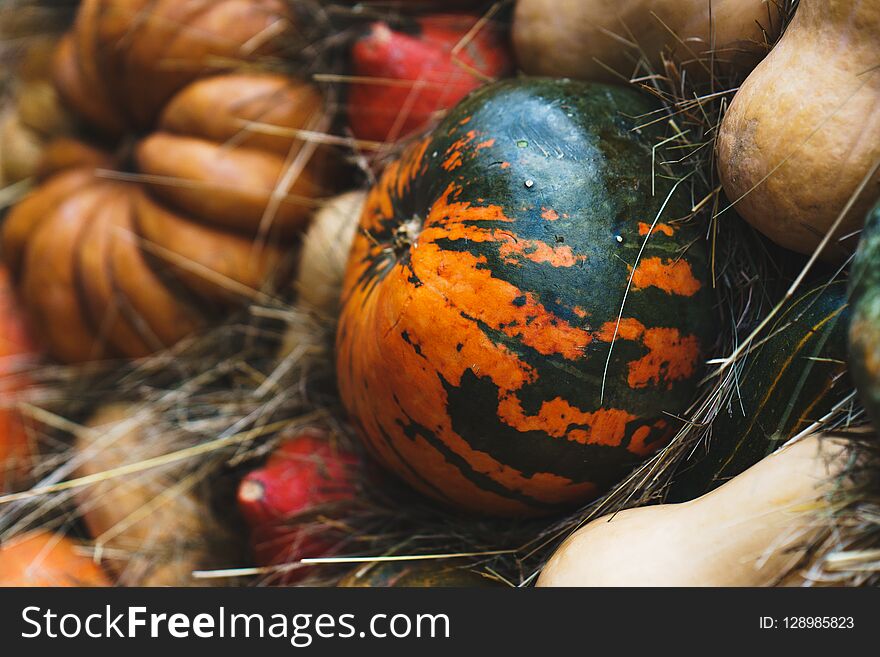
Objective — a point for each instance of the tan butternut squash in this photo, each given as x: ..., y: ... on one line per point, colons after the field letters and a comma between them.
x: 748, y: 532
x: 318, y: 283
x: 156, y: 530
x: 598, y: 40
x: 803, y: 132
x: 325, y: 252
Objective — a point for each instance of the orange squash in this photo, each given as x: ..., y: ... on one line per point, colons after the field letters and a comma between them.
x: 125, y: 59
x: 193, y: 217
x: 41, y: 558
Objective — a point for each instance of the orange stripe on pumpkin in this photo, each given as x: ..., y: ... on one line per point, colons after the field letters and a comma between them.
x: 670, y: 357
x: 627, y: 328
x: 455, y: 153
x: 646, y: 437
x: 399, y: 176
x: 453, y: 161
x: 607, y: 426
x: 462, y: 278
x: 513, y: 252
x: 666, y: 229
x: 671, y: 276
x: 445, y: 221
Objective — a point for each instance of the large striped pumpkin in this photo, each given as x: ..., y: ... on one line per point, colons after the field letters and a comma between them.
x: 485, y: 294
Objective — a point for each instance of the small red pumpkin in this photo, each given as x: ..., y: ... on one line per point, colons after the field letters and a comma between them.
x: 416, y: 75
x: 304, y: 477
x: 15, y: 346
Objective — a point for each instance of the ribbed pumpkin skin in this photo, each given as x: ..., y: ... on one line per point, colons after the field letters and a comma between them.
x: 483, y: 292
x: 864, y: 332
x: 125, y: 59
x: 202, y: 212
x: 109, y: 268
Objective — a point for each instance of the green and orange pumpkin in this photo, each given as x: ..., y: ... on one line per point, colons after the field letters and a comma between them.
x: 525, y: 309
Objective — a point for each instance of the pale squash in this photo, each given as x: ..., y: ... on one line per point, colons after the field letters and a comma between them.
x: 318, y: 283
x: 748, y: 532
x: 325, y: 252
x: 803, y: 132
x: 586, y: 39
x: 153, y: 519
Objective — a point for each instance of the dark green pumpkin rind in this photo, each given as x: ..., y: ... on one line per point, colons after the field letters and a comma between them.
x: 603, y: 183
x: 864, y: 333
x: 795, y: 377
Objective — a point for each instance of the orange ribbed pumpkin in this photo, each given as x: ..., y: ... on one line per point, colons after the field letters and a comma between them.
x: 198, y: 211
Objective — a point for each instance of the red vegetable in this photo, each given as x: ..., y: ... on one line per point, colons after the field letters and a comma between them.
x: 388, y: 108
x: 15, y: 344
x: 284, y: 500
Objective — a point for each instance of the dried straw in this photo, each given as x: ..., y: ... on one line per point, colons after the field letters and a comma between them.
x: 225, y: 398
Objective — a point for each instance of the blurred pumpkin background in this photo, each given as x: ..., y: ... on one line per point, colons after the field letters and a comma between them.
x: 310, y: 292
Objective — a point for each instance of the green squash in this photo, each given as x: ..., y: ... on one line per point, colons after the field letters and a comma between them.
x: 794, y: 377
x: 483, y: 293
x: 864, y: 333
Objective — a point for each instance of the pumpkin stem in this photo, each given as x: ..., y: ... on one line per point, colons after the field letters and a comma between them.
x: 406, y: 235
